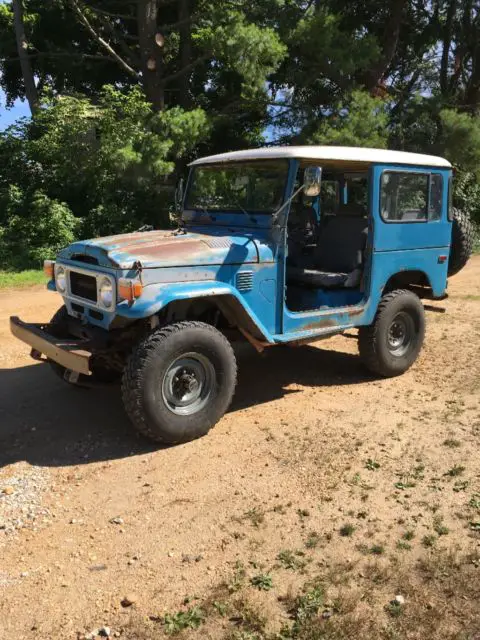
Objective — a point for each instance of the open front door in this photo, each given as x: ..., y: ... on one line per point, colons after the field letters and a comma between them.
x: 328, y: 247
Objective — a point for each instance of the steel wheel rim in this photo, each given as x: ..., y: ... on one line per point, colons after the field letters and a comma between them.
x: 400, y: 334
x: 188, y: 384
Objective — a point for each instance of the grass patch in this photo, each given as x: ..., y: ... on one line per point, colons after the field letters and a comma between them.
x: 451, y: 443
x: 12, y: 279
x: 455, y: 471
x: 429, y: 540
x: 313, y: 540
x: 347, y: 530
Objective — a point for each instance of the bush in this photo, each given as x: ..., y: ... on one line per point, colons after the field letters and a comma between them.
x: 86, y: 170
x: 36, y: 228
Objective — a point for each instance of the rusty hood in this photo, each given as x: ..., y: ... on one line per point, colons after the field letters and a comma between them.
x: 155, y: 249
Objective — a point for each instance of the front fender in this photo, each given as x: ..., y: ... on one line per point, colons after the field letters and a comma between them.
x: 156, y: 297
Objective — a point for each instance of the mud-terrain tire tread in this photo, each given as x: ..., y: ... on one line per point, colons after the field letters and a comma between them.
x: 369, y: 336
x: 462, y: 242
x: 134, y: 377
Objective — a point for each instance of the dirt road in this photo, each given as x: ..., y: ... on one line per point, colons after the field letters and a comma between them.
x: 315, y: 455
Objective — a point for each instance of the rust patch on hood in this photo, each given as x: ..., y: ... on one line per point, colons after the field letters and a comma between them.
x: 169, y: 249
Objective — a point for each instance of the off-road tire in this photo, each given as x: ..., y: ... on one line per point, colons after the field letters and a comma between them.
x: 148, y: 366
x: 462, y: 242
x: 374, y: 343
x: 100, y: 370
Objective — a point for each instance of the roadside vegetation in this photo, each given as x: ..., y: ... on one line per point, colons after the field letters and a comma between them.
x: 12, y: 279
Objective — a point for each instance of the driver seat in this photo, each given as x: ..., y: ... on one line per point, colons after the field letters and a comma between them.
x: 337, y: 261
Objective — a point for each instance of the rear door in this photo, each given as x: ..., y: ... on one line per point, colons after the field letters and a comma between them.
x: 412, y: 209
x: 412, y: 231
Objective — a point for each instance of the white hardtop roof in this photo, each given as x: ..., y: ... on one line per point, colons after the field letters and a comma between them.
x: 347, y: 154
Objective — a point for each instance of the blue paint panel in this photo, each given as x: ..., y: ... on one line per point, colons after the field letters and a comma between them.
x: 207, y: 259
x: 402, y: 236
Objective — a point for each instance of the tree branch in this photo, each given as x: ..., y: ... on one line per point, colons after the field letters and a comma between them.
x: 186, y: 69
x: 46, y: 54
x: 103, y: 43
x: 127, y: 51
x: 111, y: 14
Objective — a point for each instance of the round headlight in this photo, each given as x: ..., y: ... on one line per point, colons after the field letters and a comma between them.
x: 61, y: 279
x: 106, y: 293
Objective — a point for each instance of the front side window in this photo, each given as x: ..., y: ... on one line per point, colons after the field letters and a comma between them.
x: 256, y: 187
x: 411, y: 197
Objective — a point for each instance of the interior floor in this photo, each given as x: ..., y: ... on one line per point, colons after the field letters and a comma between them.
x: 301, y: 299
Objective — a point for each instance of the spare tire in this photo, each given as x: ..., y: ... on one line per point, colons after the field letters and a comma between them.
x: 462, y: 241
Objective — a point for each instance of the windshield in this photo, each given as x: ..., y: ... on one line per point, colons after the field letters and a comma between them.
x: 256, y: 187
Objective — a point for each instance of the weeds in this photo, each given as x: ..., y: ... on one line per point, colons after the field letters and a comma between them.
x: 262, y: 581
x: 455, y: 471
x: 452, y: 443
x: 438, y: 526
x: 474, y: 502
x: 403, y: 546
x: 176, y: 622
x: 429, y: 540
x: 291, y: 559
x: 372, y: 465
x: 347, y: 530
x: 238, y: 578
x: 255, y: 515
x: 313, y: 540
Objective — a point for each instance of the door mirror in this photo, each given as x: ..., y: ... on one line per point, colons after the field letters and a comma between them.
x: 312, y: 181
x: 179, y: 193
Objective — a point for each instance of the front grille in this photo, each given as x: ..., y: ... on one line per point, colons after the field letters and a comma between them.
x: 83, y: 286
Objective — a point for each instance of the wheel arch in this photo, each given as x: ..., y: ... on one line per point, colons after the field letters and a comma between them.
x: 226, y: 309
x: 415, y: 280
x: 186, y: 301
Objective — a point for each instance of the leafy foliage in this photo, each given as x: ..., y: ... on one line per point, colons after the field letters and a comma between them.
x: 83, y: 170
x: 129, y: 96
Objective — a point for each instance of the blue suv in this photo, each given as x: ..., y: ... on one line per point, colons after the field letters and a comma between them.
x: 283, y: 245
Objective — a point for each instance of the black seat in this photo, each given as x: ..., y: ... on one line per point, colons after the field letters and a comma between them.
x: 338, y: 257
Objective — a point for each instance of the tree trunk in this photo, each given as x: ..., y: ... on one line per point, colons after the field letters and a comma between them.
x: 151, y: 53
x: 376, y: 75
x: 472, y: 93
x: 31, y: 92
x: 185, y: 51
x: 447, y: 42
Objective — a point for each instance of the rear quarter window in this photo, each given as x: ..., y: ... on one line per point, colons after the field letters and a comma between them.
x: 411, y: 197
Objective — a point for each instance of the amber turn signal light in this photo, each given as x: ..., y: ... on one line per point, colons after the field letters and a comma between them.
x: 129, y: 290
x: 49, y: 268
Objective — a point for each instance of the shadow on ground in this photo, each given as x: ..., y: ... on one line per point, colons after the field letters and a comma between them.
x: 48, y: 423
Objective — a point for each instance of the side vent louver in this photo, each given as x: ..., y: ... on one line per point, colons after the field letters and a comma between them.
x: 245, y: 281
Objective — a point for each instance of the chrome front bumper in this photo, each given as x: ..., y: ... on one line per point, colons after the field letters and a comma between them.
x: 66, y: 352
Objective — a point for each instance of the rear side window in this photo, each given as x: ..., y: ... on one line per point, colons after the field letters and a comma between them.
x: 450, y: 199
x: 436, y: 197
x: 411, y: 197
